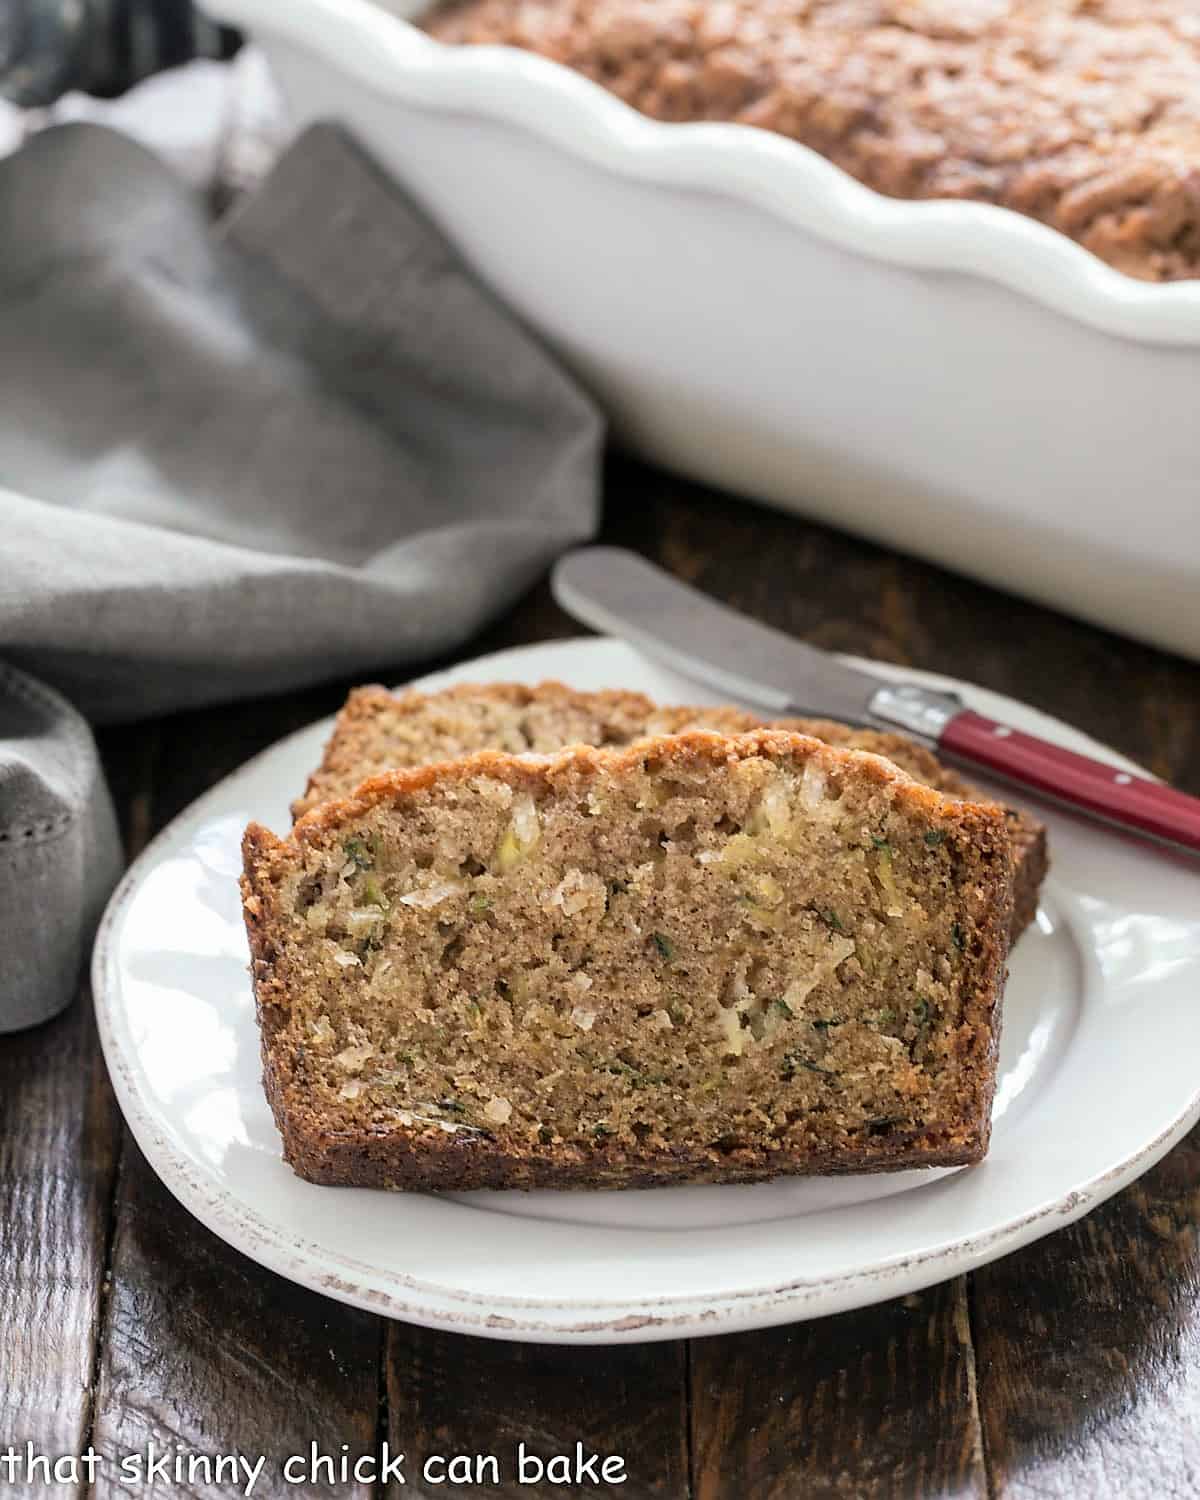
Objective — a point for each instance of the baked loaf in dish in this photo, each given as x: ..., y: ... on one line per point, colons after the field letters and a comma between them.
x: 699, y: 959
x: 379, y: 731
x: 1084, y: 114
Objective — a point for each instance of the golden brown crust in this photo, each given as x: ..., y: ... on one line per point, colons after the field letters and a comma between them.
x: 1031, y: 854
x: 416, y: 1157
x: 372, y: 710
x: 435, y: 1162
x: 1085, y: 116
x: 365, y: 725
x: 665, y: 751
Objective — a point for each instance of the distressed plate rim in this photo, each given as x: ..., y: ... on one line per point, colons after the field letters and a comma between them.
x: 584, y: 1319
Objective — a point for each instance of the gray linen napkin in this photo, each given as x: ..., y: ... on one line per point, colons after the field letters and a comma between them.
x: 59, y: 849
x: 236, y: 460
x: 240, y: 462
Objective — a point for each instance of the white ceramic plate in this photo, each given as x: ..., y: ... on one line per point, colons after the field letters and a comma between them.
x: 1099, y: 1078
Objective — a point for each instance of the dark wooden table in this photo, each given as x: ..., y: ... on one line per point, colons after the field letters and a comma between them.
x: 1071, y: 1368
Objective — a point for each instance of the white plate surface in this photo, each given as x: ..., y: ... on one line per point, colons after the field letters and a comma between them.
x: 1098, y: 1079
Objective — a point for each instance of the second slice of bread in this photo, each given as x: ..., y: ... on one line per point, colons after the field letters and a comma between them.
x: 378, y: 731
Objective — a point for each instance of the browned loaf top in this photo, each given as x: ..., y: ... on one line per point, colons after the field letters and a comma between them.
x: 698, y: 959
x: 1084, y: 114
x: 379, y: 731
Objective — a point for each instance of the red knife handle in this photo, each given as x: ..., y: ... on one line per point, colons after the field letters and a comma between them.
x: 1144, y: 807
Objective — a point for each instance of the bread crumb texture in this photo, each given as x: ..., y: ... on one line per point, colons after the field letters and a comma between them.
x: 378, y: 731
x: 697, y: 959
x: 1084, y: 114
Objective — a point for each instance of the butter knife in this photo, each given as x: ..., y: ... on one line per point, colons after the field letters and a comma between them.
x: 621, y: 594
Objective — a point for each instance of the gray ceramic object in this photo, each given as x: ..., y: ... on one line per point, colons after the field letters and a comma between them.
x: 60, y: 853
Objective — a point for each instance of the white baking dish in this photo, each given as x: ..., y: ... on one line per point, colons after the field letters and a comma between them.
x: 950, y: 378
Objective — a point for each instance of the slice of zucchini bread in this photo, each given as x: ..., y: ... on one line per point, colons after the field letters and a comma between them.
x: 1030, y: 853
x: 380, y: 731
x: 698, y: 959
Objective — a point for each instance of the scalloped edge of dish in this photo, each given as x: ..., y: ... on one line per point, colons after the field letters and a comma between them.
x: 770, y: 172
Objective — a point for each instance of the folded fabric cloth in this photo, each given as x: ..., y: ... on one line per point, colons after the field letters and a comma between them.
x: 302, y: 444
x: 239, y: 462
x: 59, y: 850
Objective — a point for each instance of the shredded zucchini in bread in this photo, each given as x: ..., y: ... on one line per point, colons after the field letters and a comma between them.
x: 700, y: 958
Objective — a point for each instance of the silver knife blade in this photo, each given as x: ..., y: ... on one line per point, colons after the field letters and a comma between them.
x: 620, y: 593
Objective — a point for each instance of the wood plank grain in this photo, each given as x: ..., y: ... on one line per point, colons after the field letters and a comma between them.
x: 167, y: 1274
x: 1089, y: 1349
x: 204, y: 1352
x: 208, y: 1354
x: 448, y: 1394
x: 1088, y: 1346
x: 59, y: 1138
x: 58, y: 1135
x: 877, y: 1404
x: 208, y: 1351
x: 846, y: 594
